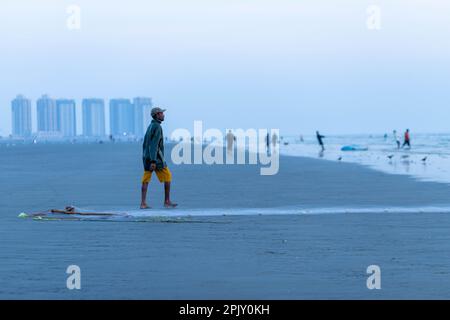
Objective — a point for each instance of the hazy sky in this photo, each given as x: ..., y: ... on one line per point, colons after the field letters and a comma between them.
x: 294, y: 65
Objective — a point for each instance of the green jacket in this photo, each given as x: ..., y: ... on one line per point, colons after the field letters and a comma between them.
x: 153, y: 146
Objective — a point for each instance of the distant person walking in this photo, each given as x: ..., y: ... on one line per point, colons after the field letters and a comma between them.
x: 153, y: 159
x: 407, y: 141
x: 268, y: 143
x: 274, y: 141
x: 396, y: 139
x: 230, y: 141
x: 319, y: 139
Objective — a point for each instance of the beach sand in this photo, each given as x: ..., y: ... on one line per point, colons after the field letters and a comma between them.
x: 235, y: 256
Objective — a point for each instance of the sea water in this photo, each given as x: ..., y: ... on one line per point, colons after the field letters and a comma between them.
x: 382, y: 153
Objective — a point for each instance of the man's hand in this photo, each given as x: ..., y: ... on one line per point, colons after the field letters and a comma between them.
x: 152, y: 167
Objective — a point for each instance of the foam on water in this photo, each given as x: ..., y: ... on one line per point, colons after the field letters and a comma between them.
x: 137, y: 214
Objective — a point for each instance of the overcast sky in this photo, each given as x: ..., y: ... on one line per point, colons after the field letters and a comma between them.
x: 295, y: 65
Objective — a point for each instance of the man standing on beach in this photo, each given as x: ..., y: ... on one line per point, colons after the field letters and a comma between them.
x: 230, y: 141
x: 153, y: 158
x: 319, y: 139
x: 407, y: 139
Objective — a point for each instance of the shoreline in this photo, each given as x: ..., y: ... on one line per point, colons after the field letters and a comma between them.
x: 427, y: 161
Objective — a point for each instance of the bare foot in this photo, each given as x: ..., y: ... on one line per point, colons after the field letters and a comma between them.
x: 170, y: 204
x: 145, y: 206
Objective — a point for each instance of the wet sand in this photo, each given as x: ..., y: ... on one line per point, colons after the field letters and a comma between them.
x: 269, y: 256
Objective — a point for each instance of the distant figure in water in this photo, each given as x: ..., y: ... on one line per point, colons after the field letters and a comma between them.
x: 385, y: 136
x: 267, y: 143
x: 230, y: 141
x: 274, y: 140
x: 407, y: 141
x: 301, y: 138
x: 396, y: 139
x: 319, y: 139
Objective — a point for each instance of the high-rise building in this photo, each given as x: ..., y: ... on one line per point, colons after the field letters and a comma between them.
x: 21, y: 116
x: 67, y: 123
x: 93, y: 117
x: 47, y: 115
x: 142, y: 116
x: 121, y: 117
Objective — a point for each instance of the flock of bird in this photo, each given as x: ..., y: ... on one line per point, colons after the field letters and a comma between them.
x: 407, y: 156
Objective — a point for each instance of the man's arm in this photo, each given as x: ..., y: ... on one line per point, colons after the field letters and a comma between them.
x: 153, y: 145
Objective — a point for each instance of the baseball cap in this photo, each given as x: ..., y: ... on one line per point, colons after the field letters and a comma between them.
x: 156, y: 110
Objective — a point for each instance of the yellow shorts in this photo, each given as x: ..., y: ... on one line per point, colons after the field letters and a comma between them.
x: 164, y: 175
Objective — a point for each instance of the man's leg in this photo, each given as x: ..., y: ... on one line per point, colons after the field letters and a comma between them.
x: 167, y: 202
x: 145, y: 181
x: 144, y: 189
x: 165, y: 176
x: 166, y: 192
